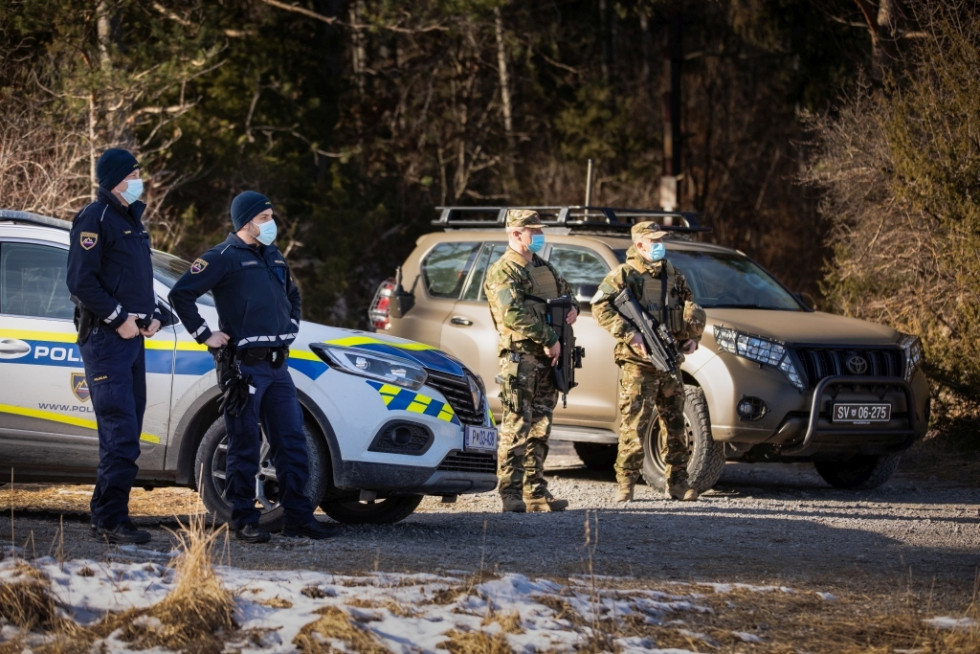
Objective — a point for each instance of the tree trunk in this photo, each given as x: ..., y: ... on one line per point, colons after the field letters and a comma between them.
x: 883, y: 27
x: 505, y: 102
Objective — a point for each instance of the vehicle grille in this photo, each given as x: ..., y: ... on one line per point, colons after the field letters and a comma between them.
x: 470, y: 462
x: 819, y: 363
x: 457, y: 391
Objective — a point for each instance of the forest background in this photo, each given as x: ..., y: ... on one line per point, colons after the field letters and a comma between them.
x: 837, y: 142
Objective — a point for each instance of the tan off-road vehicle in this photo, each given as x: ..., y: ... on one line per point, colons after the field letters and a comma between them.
x: 773, y: 380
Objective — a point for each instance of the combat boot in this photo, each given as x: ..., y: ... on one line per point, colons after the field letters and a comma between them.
x: 681, y: 491
x: 545, y: 504
x: 513, y: 504
x: 627, y: 483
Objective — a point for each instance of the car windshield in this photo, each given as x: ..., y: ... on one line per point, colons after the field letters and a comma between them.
x: 168, y: 268
x: 729, y: 280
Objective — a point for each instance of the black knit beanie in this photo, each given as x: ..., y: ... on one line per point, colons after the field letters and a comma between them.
x: 114, y: 166
x: 247, y: 205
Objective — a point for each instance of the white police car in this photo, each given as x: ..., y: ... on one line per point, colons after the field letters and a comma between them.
x: 388, y: 420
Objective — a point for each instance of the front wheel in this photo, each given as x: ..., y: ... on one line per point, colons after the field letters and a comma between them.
x: 860, y: 472
x: 384, y: 510
x: 707, y: 458
x: 211, y: 459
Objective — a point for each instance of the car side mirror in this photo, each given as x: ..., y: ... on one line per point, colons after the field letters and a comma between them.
x: 585, y: 292
x: 401, y: 300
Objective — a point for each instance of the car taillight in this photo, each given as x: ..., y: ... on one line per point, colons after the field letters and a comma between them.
x: 378, y: 314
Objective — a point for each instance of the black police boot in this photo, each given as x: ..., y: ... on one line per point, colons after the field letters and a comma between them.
x: 125, y: 533
x: 313, y: 529
x: 252, y: 534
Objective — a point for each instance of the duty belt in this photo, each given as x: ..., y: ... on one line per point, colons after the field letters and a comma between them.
x: 274, y: 355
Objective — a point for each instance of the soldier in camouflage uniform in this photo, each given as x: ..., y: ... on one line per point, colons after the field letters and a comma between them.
x: 645, y: 391
x: 516, y: 287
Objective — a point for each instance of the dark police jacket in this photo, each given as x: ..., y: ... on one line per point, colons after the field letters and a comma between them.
x: 109, y: 265
x: 258, y: 303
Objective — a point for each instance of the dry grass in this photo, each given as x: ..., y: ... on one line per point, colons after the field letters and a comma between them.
x: 195, y: 616
x: 27, y: 602
x: 335, y: 624
x: 198, y: 614
x: 476, y: 642
x: 750, y: 620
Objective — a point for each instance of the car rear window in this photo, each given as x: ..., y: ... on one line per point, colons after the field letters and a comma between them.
x: 580, y: 267
x: 445, y: 266
x: 32, y: 281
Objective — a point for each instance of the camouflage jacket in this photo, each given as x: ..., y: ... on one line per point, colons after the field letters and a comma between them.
x: 646, y: 280
x: 517, y: 311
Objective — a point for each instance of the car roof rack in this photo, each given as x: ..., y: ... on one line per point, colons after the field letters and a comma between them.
x: 28, y: 218
x: 576, y: 217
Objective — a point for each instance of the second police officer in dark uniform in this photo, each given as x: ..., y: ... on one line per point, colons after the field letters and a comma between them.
x: 110, y: 277
x: 258, y: 318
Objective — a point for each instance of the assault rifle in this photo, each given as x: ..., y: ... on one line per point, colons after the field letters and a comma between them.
x: 571, y: 354
x: 660, y: 344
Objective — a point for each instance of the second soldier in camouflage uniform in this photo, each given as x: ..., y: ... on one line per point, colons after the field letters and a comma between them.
x: 644, y: 391
x: 516, y: 287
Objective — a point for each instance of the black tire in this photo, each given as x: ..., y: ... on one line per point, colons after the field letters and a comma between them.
x: 384, y: 510
x: 596, y: 456
x: 707, y: 457
x: 211, y: 457
x: 859, y: 472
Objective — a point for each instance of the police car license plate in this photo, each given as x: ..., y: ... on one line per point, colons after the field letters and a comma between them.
x: 862, y: 413
x: 480, y: 439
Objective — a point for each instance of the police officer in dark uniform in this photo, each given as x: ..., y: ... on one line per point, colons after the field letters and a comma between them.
x: 258, y: 318
x: 110, y: 277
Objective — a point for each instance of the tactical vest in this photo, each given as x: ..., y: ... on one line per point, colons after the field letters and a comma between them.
x: 659, y: 297
x: 544, y: 286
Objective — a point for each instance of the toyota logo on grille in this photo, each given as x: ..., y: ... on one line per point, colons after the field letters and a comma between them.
x: 856, y: 364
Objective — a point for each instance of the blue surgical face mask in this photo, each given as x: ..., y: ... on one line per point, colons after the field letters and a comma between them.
x: 537, y: 242
x: 267, y: 232
x: 134, y: 189
x: 657, y: 252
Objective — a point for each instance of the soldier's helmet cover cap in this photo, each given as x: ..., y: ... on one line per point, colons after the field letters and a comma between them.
x: 523, y: 218
x: 647, y: 229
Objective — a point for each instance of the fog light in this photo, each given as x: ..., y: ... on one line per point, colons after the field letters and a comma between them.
x: 751, y: 408
x: 402, y: 438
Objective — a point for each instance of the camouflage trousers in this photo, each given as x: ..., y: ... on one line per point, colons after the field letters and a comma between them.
x: 528, y: 396
x: 646, y: 394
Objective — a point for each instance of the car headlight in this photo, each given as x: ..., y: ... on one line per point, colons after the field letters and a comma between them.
x: 912, y: 346
x: 373, y: 365
x: 477, y: 391
x: 761, y: 350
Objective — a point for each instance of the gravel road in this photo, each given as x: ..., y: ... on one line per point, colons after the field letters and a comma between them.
x: 762, y: 524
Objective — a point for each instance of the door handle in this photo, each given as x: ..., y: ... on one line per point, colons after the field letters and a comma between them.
x: 12, y: 348
x: 457, y: 320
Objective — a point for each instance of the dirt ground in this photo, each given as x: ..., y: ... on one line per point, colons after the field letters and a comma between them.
x: 909, y: 548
